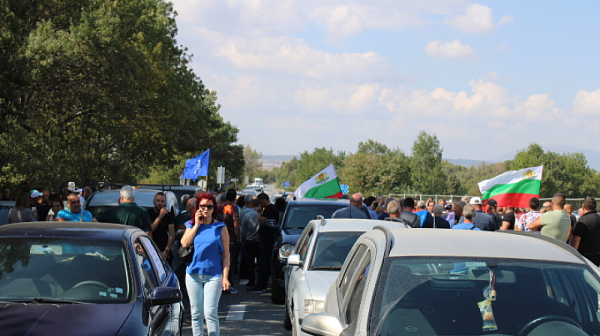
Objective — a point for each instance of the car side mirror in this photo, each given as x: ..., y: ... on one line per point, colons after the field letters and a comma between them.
x: 294, y: 260
x: 322, y: 325
x: 272, y: 223
x: 165, y: 295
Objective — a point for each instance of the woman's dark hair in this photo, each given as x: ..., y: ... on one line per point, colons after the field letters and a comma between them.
x: 534, y: 203
x: 240, y: 202
x: 210, y: 198
x: 22, y: 200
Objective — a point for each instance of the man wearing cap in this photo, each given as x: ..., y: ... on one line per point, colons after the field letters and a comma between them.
x: 482, y: 220
x: 491, y: 209
x: 35, y: 196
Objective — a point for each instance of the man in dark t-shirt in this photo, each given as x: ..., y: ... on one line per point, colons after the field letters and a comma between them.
x: 163, y: 224
x: 266, y: 235
x: 586, y: 235
x: 408, y: 204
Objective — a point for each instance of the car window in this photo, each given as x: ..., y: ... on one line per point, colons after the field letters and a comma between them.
x: 351, y: 269
x: 305, y: 244
x: 158, y: 262
x: 523, y: 291
x: 297, y: 216
x: 145, y: 268
x: 356, y: 293
x: 80, y: 270
x: 331, y: 249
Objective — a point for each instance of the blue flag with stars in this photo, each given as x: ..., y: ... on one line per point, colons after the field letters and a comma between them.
x: 197, y: 166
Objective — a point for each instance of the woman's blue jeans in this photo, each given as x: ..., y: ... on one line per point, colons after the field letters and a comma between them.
x: 204, y: 292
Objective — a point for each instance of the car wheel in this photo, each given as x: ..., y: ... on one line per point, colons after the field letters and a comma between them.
x: 287, y: 322
x: 277, y: 293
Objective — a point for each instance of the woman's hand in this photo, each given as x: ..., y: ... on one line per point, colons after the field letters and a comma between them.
x: 199, y: 217
x: 226, y: 283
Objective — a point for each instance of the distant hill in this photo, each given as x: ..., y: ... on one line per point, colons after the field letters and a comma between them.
x: 274, y: 161
x: 466, y: 162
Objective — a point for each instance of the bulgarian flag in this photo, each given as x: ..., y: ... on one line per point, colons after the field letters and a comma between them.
x: 323, y: 185
x: 513, y: 188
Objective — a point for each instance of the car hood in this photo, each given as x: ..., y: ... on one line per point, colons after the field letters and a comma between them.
x: 319, y: 281
x: 62, y: 319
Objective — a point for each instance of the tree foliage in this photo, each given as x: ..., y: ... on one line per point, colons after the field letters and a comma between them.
x: 94, y: 90
x: 427, y: 173
x: 567, y: 173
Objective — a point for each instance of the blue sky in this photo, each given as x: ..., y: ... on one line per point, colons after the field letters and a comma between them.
x: 297, y: 75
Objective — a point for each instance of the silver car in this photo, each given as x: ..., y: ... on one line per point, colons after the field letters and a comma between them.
x: 460, y: 282
x: 315, y: 263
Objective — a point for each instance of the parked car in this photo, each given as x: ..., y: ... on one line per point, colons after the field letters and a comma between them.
x: 104, y: 199
x: 5, y: 207
x: 316, y: 261
x: 248, y: 191
x: 71, y: 278
x: 178, y: 190
x: 460, y: 282
x: 297, y: 215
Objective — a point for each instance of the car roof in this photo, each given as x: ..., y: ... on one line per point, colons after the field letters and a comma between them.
x: 347, y: 224
x: 319, y: 201
x: 111, y: 197
x: 469, y: 243
x: 82, y: 230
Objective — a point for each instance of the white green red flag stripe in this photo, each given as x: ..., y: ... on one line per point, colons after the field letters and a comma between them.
x: 323, y: 185
x: 513, y: 188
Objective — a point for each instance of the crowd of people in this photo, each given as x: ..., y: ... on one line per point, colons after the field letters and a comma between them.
x: 553, y: 218
x: 220, y: 235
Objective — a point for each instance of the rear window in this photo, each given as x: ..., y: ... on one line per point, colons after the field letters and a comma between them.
x: 63, y: 269
x: 298, y: 216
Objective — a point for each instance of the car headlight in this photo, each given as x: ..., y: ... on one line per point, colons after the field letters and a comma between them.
x: 285, y: 250
x: 313, y: 306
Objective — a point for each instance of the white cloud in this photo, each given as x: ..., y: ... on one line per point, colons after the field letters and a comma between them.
x: 505, y: 20
x: 487, y: 100
x: 453, y: 49
x: 477, y: 19
x: 587, y: 103
x: 342, y: 99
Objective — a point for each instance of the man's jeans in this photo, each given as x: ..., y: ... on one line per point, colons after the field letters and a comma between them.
x: 204, y: 292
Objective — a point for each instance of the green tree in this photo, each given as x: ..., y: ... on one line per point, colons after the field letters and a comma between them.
x: 288, y: 172
x: 312, y: 163
x: 253, y: 164
x: 95, y: 90
x: 376, y: 169
x: 427, y: 173
x: 567, y: 173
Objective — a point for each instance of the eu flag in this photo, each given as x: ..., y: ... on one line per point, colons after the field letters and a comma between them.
x: 197, y: 166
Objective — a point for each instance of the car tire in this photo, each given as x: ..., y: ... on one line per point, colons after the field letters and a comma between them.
x: 287, y: 322
x: 277, y: 293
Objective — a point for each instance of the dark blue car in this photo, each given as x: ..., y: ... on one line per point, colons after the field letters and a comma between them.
x: 71, y: 278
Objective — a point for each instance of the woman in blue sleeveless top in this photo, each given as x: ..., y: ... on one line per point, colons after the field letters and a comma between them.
x: 206, y: 275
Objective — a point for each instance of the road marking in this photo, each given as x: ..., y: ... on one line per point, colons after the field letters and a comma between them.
x: 236, y: 312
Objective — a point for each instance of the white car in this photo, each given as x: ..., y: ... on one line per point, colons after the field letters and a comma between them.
x: 316, y: 261
x: 460, y: 282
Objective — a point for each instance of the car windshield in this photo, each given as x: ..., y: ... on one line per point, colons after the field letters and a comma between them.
x: 445, y: 296
x: 57, y: 270
x: 331, y: 249
x: 298, y: 216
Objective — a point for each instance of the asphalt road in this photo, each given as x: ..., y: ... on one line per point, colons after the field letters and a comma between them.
x: 248, y: 314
